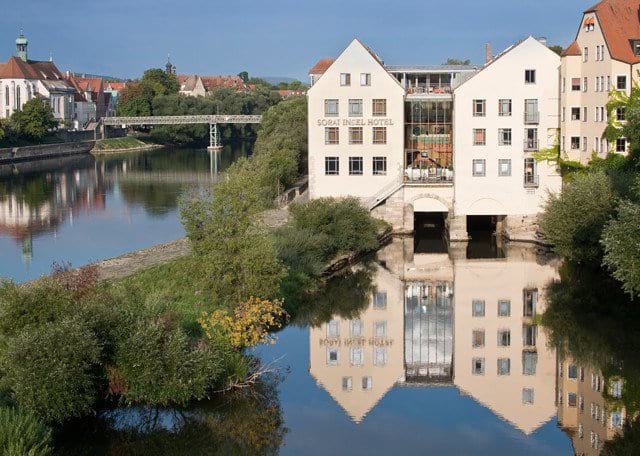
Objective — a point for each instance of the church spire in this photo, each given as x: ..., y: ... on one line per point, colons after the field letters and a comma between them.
x: 21, y: 46
x: 169, y: 67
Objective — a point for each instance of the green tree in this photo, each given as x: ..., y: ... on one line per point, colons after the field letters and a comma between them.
x: 573, y: 220
x: 457, y: 62
x: 557, y: 49
x: 22, y: 433
x: 34, y: 120
x: 621, y: 241
x: 160, y: 82
x: 135, y: 100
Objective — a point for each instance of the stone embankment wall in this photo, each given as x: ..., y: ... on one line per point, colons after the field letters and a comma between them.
x: 18, y: 154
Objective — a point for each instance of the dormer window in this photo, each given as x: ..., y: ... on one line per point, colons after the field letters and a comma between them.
x: 635, y: 45
x: 589, y: 24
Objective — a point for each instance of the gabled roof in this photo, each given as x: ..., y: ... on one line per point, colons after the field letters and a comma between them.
x: 572, y: 50
x: 620, y: 23
x: 116, y: 86
x: 16, y: 68
x: 189, y: 82
x: 321, y: 66
x: 87, y: 84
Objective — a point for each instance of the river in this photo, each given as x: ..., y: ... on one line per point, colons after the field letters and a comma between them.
x: 82, y: 209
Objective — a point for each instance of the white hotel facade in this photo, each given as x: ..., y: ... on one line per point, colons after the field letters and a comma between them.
x: 455, y: 142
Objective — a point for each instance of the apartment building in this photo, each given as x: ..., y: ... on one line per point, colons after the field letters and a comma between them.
x: 583, y: 411
x: 605, y: 56
x: 410, y: 143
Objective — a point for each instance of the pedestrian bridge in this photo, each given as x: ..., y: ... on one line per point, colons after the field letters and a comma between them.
x: 212, y: 120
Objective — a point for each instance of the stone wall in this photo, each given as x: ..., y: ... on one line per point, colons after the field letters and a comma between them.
x: 17, y: 154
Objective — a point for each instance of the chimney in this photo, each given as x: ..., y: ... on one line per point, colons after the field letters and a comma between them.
x: 487, y: 52
x: 543, y: 40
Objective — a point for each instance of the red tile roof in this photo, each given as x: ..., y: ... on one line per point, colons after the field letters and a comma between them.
x: 321, y: 66
x: 573, y: 49
x: 117, y: 86
x: 188, y: 82
x: 620, y: 23
x: 16, y: 68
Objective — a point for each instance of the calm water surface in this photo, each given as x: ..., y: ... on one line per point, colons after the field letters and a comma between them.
x: 82, y: 209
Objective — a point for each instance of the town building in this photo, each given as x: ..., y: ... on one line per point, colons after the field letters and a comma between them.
x: 22, y: 79
x: 605, y: 56
x: 91, y: 91
x: 199, y: 86
x: 451, y: 145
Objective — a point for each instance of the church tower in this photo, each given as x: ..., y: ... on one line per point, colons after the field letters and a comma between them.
x: 21, y: 47
x: 169, y: 67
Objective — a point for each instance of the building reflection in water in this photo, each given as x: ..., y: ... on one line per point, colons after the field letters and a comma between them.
x: 443, y: 319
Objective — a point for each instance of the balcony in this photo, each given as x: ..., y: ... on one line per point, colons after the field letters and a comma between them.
x: 531, y: 145
x: 531, y: 117
x: 430, y: 89
x: 428, y: 176
x: 531, y: 181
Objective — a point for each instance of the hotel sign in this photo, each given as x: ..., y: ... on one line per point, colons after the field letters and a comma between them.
x: 355, y: 122
x: 355, y: 342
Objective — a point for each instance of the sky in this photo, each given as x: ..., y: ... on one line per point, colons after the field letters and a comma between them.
x: 272, y: 38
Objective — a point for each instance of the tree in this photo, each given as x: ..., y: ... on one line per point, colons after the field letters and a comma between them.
x: 137, y: 98
x: 244, y: 76
x: 621, y: 241
x: 573, y: 221
x: 557, y: 49
x: 22, y: 433
x: 457, y: 62
x: 160, y: 82
x: 34, y: 120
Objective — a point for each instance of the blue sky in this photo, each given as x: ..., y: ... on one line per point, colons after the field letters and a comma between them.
x: 272, y: 38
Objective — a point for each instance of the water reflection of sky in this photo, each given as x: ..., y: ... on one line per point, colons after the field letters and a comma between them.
x: 80, y: 209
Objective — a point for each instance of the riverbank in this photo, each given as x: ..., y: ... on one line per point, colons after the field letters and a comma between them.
x: 27, y: 153
x: 120, y: 145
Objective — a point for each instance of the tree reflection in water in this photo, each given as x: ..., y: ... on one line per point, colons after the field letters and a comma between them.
x: 243, y: 422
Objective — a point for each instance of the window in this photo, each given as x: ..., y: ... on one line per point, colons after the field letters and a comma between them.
x: 356, y: 356
x: 575, y: 142
x: 477, y: 338
x: 345, y: 79
x: 477, y: 366
x: 379, y: 135
x: 380, y: 329
x: 585, y: 84
x: 529, y: 334
x: 504, y: 136
x: 616, y: 419
x: 621, y: 145
x: 572, y: 399
x: 584, y: 143
x: 504, y: 338
x: 355, y: 108
x: 379, y: 107
x: 347, y: 384
x: 331, y: 108
x: 530, y: 172
x: 572, y: 371
x: 355, y: 328
x: 18, y: 101
x: 563, y: 84
x: 504, y: 107
x: 620, y: 113
x: 504, y: 308
x: 504, y: 366
x: 6, y: 96
x: 479, y: 136
x: 581, y: 403
x: 562, y: 114
x: 530, y: 76
x: 333, y: 329
x: 504, y: 170
x: 380, y: 300
x: 367, y: 383
x: 580, y: 431
x: 608, y: 83
x: 615, y: 389
x: 575, y: 113
x: 531, y: 113
x: 479, y: 108
x: 365, y: 79
x: 621, y: 82
x: 530, y: 139
x: 529, y: 363
x: 584, y: 114
x: 479, y: 166
x: 530, y: 299
x: 380, y: 356
x: 331, y: 135
x: 333, y: 357
x: 380, y: 169
x: 527, y: 396
x: 585, y: 55
x: 575, y: 84
x: 355, y: 166
x: 331, y: 166
x: 355, y: 135
x: 477, y: 307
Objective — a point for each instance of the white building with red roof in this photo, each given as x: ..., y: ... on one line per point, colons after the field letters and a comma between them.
x: 22, y: 79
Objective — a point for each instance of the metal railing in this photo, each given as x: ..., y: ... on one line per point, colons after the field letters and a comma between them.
x: 531, y: 180
x: 531, y: 117
x: 183, y: 120
x: 432, y: 89
x: 530, y: 145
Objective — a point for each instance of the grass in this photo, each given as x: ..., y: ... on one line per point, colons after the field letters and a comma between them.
x: 128, y: 142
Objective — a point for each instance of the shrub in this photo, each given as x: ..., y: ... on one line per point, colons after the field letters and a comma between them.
x: 52, y: 369
x: 158, y: 363
x: 23, y: 434
x: 621, y: 241
x: 573, y: 221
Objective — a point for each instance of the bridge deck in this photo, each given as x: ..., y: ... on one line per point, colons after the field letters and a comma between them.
x: 183, y: 120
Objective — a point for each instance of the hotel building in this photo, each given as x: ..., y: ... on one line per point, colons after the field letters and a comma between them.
x: 605, y: 56
x: 437, y: 144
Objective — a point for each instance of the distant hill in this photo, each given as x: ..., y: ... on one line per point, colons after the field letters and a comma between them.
x: 105, y: 78
x: 275, y: 80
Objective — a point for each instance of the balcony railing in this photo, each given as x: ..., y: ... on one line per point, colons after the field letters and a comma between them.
x: 531, y: 180
x: 530, y: 145
x: 432, y: 89
x: 531, y: 117
x: 428, y: 176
